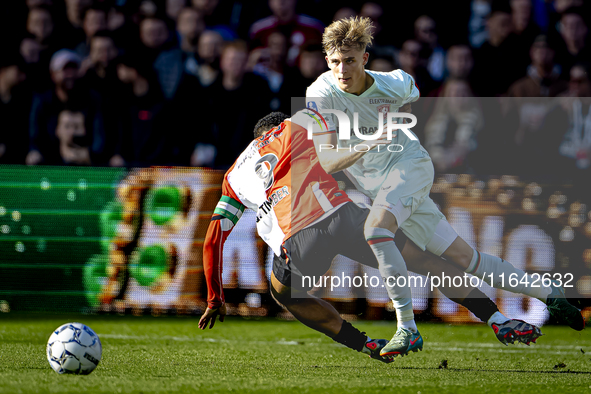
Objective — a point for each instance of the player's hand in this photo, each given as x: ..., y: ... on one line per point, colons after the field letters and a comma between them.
x: 210, y: 315
x: 406, y: 108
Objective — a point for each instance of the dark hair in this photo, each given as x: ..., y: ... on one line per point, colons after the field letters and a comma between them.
x: 159, y: 17
x: 104, y: 34
x: 12, y: 58
x: 583, y: 65
x: 97, y: 8
x: 138, y: 62
x: 499, y: 6
x: 576, y: 11
x: 27, y: 35
x: 265, y: 124
x: 311, y: 47
x: 45, y: 8
x: 239, y: 45
x: 74, y: 109
x: 461, y: 43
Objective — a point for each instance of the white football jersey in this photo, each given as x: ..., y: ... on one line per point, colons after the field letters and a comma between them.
x: 390, y: 91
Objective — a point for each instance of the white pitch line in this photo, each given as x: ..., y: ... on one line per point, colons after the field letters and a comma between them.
x: 521, y: 349
x: 195, y: 339
x: 494, y: 345
x: 437, y: 346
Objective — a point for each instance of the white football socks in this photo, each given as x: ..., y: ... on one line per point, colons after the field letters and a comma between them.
x: 500, y: 274
x: 410, y: 325
x: 392, y: 266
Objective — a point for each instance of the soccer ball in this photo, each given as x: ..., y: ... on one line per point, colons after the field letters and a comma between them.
x: 74, y: 348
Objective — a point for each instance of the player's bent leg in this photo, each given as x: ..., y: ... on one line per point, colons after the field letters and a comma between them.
x: 493, y: 270
x: 323, y: 317
x: 502, y: 275
x: 311, y: 311
x: 506, y: 330
x: 379, y: 231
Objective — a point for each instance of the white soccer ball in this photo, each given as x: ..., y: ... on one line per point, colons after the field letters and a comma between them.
x: 74, y: 348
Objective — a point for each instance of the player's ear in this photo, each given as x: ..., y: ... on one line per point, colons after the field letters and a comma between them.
x: 365, y: 58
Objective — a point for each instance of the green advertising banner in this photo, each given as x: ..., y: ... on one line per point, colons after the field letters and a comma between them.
x: 49, y: 229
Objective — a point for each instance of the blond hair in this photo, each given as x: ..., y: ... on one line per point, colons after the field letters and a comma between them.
x: 346, y: 34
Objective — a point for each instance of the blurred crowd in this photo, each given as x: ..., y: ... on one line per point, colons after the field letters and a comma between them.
x: 182, y: 82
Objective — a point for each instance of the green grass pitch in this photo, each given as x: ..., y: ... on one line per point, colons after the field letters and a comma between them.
x: 162, y: 355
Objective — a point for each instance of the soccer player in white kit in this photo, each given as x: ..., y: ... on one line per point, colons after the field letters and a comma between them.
x: 399, y: 179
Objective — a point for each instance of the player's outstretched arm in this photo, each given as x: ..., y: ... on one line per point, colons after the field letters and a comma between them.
x: 226, y: 214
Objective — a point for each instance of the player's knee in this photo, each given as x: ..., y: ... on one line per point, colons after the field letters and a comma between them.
x: 284, y: 295
x: 462, y: 258
x: 465, y: 257
x: 460, y: 253
x: 383, y: 220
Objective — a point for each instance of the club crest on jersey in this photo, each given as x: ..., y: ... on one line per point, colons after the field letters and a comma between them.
x: 312, y: 105
x: 385, y: 108
x: 264, y: 168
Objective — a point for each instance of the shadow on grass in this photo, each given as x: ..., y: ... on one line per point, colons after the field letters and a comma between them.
x: 568, y: 371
